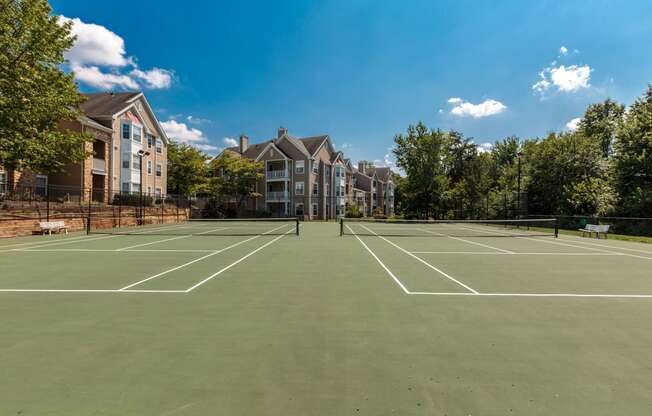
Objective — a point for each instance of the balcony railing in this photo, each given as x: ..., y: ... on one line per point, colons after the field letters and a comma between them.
x: 99, y: 165
x: 278, y: 174
x: 277, y: 196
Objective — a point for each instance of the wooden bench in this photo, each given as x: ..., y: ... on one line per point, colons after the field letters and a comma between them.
x: 50, y: 226
x: 595, y: 228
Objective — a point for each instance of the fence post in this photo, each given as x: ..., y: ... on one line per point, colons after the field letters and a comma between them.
x: 47, y: 203
x: 88, y: 220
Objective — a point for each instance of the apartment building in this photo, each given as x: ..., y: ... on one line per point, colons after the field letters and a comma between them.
x: 125, y: 132
x: 304, y: 177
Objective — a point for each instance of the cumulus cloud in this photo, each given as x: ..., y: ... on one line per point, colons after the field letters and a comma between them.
x: 564, y: 78
x: 230, y: 141
x: 485, y: 147
x: 94, y: 77
x: 180, y: 132
x: 573, y: 124
x: 486, y: 108
x: 155, y: 78
x: 563, y: 50
x: 197, y: 120
x: 99, y: 59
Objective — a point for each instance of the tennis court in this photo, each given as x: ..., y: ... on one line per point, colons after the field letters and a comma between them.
x: 388, y: 318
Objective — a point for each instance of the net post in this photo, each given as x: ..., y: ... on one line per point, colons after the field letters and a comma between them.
x: 341, y: 227
x: 88, y: 219
x: 297, y: 223
x: 556, y: 227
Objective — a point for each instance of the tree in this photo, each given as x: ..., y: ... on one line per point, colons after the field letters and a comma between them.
x: 35, y: 94
x: 632, y: 160
x: 421, y: 154
x: 601, y: 122
x: 234, y: 178
x: 187, y: 170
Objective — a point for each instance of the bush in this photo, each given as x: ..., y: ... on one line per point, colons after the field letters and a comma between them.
x: 352, y: 211
x: 133, y: 200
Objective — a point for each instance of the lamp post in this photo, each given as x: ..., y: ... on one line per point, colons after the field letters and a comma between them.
x: 141, y: 153
x: 518, y: 196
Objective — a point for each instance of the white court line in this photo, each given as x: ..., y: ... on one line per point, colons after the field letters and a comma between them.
x: 238, y: 261
x: 536, y: 295
x: 87, y: 291
x: 113, y: 250
x: 31, y: 243
x: 469, y: 288
x: 517, y: 253
x: 566, y: 244
x: 468, y: 241
x: 196, y: 260
x: 396, y: 280
x: 167, y: 239
x: 581, y: 241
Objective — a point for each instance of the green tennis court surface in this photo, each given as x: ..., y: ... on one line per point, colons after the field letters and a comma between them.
x: 459, y: 323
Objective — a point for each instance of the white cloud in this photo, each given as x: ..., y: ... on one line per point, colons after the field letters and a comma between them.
x: 563, y: 50
x: 229, y: 141
x: 485, y: 147
x: 155, y: 78
x: 455, y: 100
x: 99, y: 55
x: 197, y: 120
x: 95, y: 45
x: 94, y: 77
x: 180, y: 132
x: 573, y: 124
x: 565, y: 78
x: 484, y: 109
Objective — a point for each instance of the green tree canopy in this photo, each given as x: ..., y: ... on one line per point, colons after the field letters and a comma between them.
x: 601, y: 122
x: 234, y: 177
x: 187, y: 170
x: 35, y: 94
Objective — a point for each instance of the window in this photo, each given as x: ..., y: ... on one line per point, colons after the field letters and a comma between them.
x: 315, y: 210
x: 150, y: 139
x: 126, y: 131
x: 298, y: 188
x: 135, y: 187
x: 159, y: 170
x: 328, y: 171
x: 315, y: 188
x: 126, y: 160
x: 136, y: 162
x: 41, y: 184
x: 137, y: 134
x: 158, y: 192
x: 315, y: 166
x: 300, y: 166
x: 298, y: 210
x: 149, y: 167
x: 327, y: 190
x: 159, y: 146
x: 125, y: 186
x: 3, y: 182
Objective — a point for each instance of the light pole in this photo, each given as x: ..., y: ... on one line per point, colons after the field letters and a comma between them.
x: 141, y: 153
x: 518, y: 196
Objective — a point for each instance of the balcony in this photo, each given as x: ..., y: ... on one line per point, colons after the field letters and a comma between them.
x: 99, y: 166
x: 277, y: 196
x: 277, y: 175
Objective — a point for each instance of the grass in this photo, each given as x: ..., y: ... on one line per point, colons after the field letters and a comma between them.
x: 314, y: 325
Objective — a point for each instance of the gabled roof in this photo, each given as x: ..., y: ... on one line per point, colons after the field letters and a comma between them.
x: 296, y: 143
x: 106, y: 104
x: 313, y: 143
x: 382, y: 173
x: 362, y: 181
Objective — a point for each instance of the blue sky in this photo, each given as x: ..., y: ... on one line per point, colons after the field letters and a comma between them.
x: 362, y: 71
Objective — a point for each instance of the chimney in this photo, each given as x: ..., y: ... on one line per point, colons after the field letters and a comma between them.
x: 281, y: 132
x: 361, y: 166
x: 244, y: 143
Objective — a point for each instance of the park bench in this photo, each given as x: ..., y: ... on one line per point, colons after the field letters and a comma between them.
x: 50, y: 226
x: 595, y: 228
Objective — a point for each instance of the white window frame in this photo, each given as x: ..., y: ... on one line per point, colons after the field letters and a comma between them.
x: 4, y: 182
x: 122, y: 131
x: 159, y: 170
x: 300, y: 166
x: 126, y: 188
x: 296, y: 209
x: 140, y: 134
x: 158, y: 192
x: 315, y: 189
x: 315, y: 166
x: 315, y: 209
x: 150, y: 140
x: 298, y: 185
x: 123, y: 160
x: 149, y: 167
x: 159, y: 145
x: 135, y: 162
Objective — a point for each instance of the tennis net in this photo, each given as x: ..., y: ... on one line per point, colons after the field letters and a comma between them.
x: 208, y: 227
x: 449, y: 228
